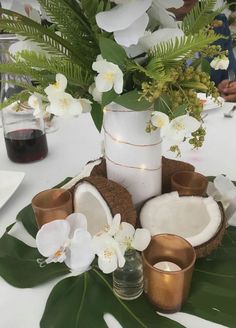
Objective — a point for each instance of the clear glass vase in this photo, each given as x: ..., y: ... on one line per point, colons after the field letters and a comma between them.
x: 24, y: 133
x: 128, y: 281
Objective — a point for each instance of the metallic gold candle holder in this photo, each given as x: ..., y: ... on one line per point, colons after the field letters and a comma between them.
x: 167, y: 290
x: 52, y: 204
x: 189, y: 183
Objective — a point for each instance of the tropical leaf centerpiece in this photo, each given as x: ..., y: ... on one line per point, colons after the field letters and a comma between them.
x: 133, y: 53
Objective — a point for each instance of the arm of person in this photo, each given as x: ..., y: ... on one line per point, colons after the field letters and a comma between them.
x: 228, y: 90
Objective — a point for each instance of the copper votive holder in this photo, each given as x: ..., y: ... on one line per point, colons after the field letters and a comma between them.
x: 189, y: 183
x: 167, y: 290
x: 52, y: 204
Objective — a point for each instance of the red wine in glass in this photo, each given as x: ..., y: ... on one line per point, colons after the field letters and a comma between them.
x: 26, y: 145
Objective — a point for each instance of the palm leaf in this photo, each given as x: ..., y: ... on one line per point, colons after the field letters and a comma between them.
x: 75, y: 74
x: 75, y: 27
x: 19, y: 97
x: 44, y: 37
x: 200, y: 16
x: 167, y: 53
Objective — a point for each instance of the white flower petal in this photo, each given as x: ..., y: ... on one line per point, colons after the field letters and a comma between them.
x: 111, y: 321
x: 63, y: 104
x: 125, y: 236
x: 133, y: 33
x: 225, y: 187
x: 97, y: 96
x: 107, y: 265
x: 191, y: 124
x: 122, y: 16
x: 158, y: 13
x: 150, y: 40
x: 141, y: 239
x: 115, y: 225
x: 76, y: 221
x: 81, y: 254
x: 52, y: 236
x: 102, y: 84
x: 58, y: 87
x: 159, y: 119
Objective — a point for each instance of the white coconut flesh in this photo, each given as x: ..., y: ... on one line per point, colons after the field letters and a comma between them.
x: 194, y: 218
x: 89, y: 201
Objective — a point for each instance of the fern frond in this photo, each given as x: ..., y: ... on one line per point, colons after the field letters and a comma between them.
x: 75, y: 27
x: 200, y: 16
x: 167, y: 53
x: 44, y: 37
x: 19, y: 97
x: 75, y: 74
x: 22, y: 85
x: 23, y: 69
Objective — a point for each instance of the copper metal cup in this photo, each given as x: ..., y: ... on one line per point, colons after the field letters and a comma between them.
x: 167, y: 290
x: 189, y: 183
x: 52, y: 204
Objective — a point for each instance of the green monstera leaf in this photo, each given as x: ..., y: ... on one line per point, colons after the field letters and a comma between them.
x: 82, y: 301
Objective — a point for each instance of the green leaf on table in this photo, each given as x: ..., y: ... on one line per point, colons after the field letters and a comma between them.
x: 213, y: 292
x: 83, y: 300
x: 112, y: 52
x: 132, y: 100
x: 108, y: 97
x: 19, y: 267
x: 163, y: 104
x: 97, y: 115
x: 27, y: 217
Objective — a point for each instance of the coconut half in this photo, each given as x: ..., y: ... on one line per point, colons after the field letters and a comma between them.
x: 99, y: 199
x: 197, y: 219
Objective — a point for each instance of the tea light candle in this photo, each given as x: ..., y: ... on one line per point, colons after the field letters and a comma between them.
x: 167, y: 266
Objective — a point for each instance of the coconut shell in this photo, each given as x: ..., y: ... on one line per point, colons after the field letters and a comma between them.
x: 100, y: 170
x: 208, y: 247
x: 169, y: 167
x: 117, y: 197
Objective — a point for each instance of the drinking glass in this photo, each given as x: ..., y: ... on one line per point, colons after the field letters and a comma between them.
x: 24, y: 133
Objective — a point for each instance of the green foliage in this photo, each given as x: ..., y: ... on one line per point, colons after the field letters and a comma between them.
x: 200, y: 16
x: 133, y: 100
x: 20, y: 97
x: 47, y: 39
x: 97, y: 115
x: 167, y: 54
x: 75, y: 302
x: 163, y: 104
x: 112, y: 52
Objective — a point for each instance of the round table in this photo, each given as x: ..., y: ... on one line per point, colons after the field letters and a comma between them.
x: 70, y: 147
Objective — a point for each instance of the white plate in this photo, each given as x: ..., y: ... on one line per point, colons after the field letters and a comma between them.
x: 211, y: 103
x: 9, y: 182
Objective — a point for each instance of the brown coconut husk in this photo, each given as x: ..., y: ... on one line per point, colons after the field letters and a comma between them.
x: 170, y: 167
x: 117, y: 197
x: 208, y: 247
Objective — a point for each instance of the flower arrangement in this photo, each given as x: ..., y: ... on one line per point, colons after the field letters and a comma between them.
x: 69, y: 241
x: 133, y: 53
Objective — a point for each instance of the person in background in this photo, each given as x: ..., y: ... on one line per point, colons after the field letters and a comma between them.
x: 226, y: 87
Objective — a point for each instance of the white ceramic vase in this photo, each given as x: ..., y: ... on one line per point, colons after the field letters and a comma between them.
x: 133, y: 156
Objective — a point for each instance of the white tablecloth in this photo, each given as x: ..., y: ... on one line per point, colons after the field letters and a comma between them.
x: 75, y: 143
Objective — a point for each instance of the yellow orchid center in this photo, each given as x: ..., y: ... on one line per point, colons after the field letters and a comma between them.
x: 58, y: 253
x: 64, y: 103
x: 56, y: 85
x: 160, y: 122
x: 108, y: 253
x: 179, y: 126
x: 109, y: 76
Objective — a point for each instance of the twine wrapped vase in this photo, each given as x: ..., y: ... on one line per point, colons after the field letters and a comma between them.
x: 133, y: 156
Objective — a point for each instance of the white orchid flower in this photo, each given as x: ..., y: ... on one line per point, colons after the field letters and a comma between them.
x: 63, y: 104
x: 180, y: 127
x: 35, y: 101
x: 159, y: 13
x: 67, y: 241
x: 222, y: 189
x: 160, y: 120
x: 109, y: 253
x: 220, y: 62
x: 97, y: 96
x: 150, y: 40
x: 128, y: 237
x: 128, y: 20
x: 58, y: 87
x: 109, y: 76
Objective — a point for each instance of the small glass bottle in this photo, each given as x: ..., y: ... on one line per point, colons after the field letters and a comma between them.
x: 128, y: 281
